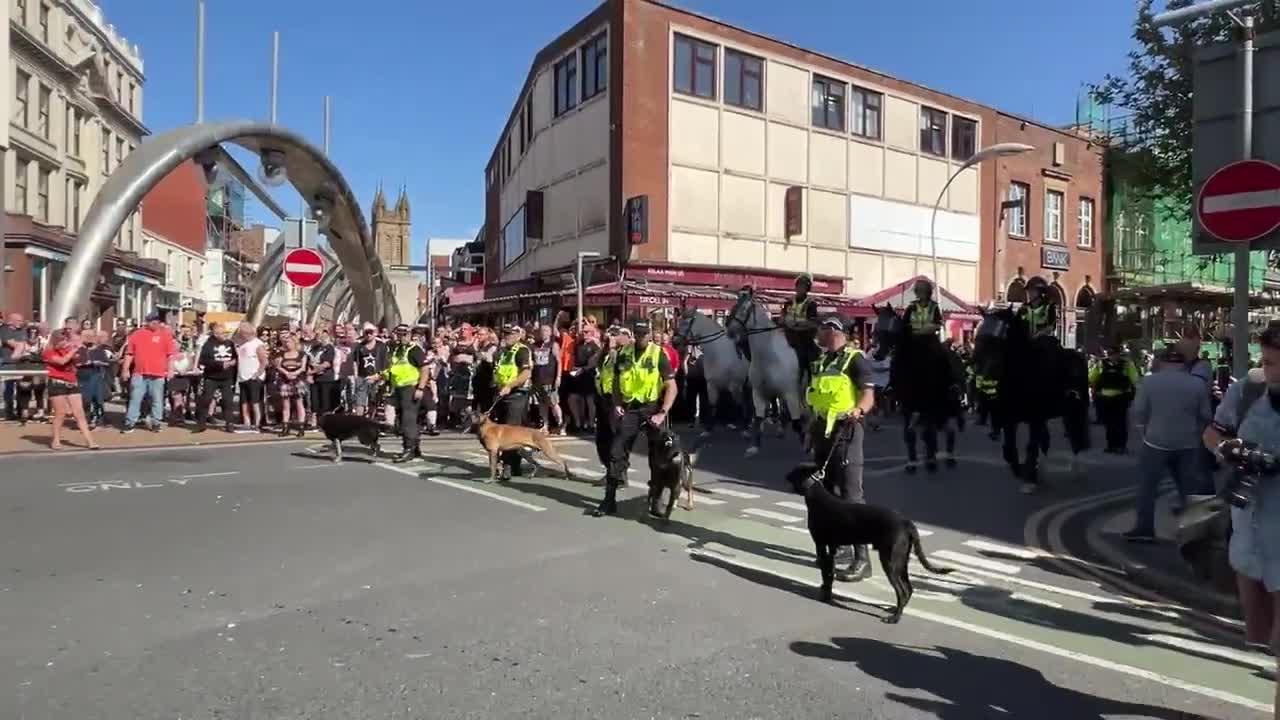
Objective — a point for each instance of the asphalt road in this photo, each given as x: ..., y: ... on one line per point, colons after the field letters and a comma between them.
x: 267, y: 582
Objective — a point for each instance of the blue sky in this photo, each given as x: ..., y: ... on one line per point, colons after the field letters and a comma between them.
x: 421, y: 88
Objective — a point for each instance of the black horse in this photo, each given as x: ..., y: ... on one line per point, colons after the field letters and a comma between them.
x: 1037, y: 380
x: 927, y: 381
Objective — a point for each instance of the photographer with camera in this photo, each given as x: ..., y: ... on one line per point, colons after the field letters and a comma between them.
x: 1246, y: 435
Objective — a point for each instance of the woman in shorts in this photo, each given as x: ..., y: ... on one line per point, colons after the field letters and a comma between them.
x: 59, y: 359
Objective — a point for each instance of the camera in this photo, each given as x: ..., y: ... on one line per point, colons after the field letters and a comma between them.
x: 1249, y: 463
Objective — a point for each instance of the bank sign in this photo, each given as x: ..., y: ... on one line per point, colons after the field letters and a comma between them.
x: 1054, y: 258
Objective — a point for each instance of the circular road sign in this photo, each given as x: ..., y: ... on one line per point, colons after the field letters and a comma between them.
x: 303, y: 268
x: 1240, y: 202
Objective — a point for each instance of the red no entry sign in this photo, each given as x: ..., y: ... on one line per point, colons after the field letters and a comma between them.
x: 303, y: 268
x: 1241, y: 201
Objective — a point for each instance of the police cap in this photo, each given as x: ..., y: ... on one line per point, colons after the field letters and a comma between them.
x: 640, y: 327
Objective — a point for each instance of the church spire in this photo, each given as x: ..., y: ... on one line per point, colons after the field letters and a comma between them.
x: 402, y: 203
x: 379, y: 202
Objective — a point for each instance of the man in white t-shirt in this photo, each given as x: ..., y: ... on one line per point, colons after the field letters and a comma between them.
x: 251, y: 369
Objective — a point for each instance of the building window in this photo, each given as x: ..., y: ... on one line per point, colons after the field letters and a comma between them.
x: 20, y: 186
x: 42, y: 110
x: 44, y: 23
x: 1052, y: 216
x: 73, y: 206
x: 75, y: 133
x: 106, y: 151
x: 1084, y: 232
x: 20, y: 11
x: 522, y: 122
x: 567, y: 84
x: 528, y: 114
x: 119, y: 151
x: 864, y: 113
x: 21, y: 86
x: 37, y: 287
x: 1017, y: 214
x: 595, y: 67
x: 828, y: 103
x: 119, y: 87
x: 964, y: 138
x: 42, y: 195
x: 933, y: 132
x: 743, y: 80
x: 694, y: 68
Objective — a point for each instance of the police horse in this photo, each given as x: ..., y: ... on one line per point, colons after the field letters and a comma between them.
x: 774, y: 371
x: 927, y: 380
x: 724, y: 368
x: 1036, y: 381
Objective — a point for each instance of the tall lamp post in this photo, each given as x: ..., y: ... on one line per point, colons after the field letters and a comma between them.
x: 577, y: 280
x: 986, y: 153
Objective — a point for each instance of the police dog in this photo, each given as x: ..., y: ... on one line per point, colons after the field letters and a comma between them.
x: 671, y: 469
x: 835, y: 522
x: 497, y: 439
x: 338, y: 427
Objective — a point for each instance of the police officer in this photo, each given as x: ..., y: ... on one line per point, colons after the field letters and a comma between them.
x: 512, y: 367
x: 644, y: 389
x: 800, y: 323
x: 1114, y: 382
x: 604, y: 363
x: 407, y: 383
x: 923, y: 317
x: 840, y: 394
x: 1040, y: 314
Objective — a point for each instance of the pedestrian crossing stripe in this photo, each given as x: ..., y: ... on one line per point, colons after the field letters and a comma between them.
x: 771, y: 515
x: 734, y: 493
x: 978, y: 562
x: 792, y: 505
x: 999, y: 549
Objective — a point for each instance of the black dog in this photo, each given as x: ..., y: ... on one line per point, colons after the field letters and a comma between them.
x: 670, y: 468
x: 338, y: 427
x: 834, y: 523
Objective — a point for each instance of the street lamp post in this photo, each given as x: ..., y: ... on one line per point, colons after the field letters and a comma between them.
x: 997, y: 150
x: 577, y: 280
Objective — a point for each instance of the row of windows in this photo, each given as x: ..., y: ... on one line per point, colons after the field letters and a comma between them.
x: 123, y: 87
x: 1054, y: 205
x: 75, y: 192
x: 22, y: 104
x: 835, y: 105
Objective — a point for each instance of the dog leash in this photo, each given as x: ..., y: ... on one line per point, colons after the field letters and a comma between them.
x: 821, y: 472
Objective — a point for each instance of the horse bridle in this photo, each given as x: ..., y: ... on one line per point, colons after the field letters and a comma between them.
x: 680, y: 338
x: 746, y: 331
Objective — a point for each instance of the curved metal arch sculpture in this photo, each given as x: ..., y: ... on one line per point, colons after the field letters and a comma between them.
x: 308, y: 170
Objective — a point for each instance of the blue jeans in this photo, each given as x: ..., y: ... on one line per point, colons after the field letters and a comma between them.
x: 1185, y: 466
x: 152, y: 387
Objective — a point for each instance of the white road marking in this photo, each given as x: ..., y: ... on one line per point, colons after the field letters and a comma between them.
x: 477, y: 456
x: 797, y: 528
x: 734, y: 493
x: 923, y: 532
x: 1258, y: 660
x: 771, y: 515
x: 637, y: 484
x: 1010, y: 550
x: 1046, y: 648
x: 969, y: 560
x: 1035, y: 600
x: 575, y: 458
x: 212, y: 474
x: 707, y: 501
x: 792, y: 505
x: 464, y: 487
x: 317, y: 466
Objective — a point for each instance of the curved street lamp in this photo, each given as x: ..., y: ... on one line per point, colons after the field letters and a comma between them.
x: 986, y: 153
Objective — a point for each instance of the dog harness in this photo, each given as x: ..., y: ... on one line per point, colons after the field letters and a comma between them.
x: 831, y: 394
x: 401, y: 372
x: 638, y: 377
x: 505, y: 369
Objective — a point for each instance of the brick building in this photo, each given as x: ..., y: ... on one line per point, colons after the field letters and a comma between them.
x: 756, y: 160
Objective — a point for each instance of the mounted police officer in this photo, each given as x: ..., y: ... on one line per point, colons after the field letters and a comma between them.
x: 512, y: 366
x: 800, y: 323
x: 839, y: 394
x: 1114, y: 382
x: 407, y: 383
x: 923, y: 317
x: 1040, y: 314
x: 644, y: 389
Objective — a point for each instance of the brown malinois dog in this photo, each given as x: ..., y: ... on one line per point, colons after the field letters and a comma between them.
x: 497, y: 439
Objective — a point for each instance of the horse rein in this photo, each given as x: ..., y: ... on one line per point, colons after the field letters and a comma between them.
x: 680, y: 338
x: 746, y: 331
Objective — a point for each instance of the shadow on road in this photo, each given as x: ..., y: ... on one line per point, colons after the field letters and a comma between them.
x: 967, y: 683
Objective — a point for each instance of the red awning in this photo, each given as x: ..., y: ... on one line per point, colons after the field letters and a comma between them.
x: 903, y: 294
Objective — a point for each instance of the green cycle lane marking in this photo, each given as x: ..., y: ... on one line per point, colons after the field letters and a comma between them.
x: 1118, y: 636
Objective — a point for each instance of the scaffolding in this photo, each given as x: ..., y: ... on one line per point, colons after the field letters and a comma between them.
x: 224, y: 205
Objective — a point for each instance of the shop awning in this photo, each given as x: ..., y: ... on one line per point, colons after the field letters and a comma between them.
x: 903, y: 294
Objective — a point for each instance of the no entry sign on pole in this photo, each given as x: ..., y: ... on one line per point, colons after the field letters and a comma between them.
x: 1240, y: 202
x: 303, y: 268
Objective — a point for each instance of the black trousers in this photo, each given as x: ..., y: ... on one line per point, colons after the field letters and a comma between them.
x: 843, y: 465
x: 606, y: 423
x: 512, y: 410
x: 629, y: 426
x: 1113, y: 412
x: 407, y: 413
x: 324, y: 396
x: 207, y: 388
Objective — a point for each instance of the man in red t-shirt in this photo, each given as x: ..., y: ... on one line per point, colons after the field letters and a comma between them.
x: 146, y: 367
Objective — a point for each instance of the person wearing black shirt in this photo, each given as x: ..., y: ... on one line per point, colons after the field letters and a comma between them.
x: 324, y: 376
x: 546, y: 378
x: 637, y: 369
x: 218, y: 363
x: 512, y: 368
x: 370, y: 360
x: 839, y: 453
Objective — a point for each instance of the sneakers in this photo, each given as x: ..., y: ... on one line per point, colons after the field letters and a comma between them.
x: 126, y: 429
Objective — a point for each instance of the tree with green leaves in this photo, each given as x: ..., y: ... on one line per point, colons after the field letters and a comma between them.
x: 1156, y: 92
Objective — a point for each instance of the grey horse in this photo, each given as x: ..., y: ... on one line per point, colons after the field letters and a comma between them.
x: 774, y: 372
x: 723, y: 366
